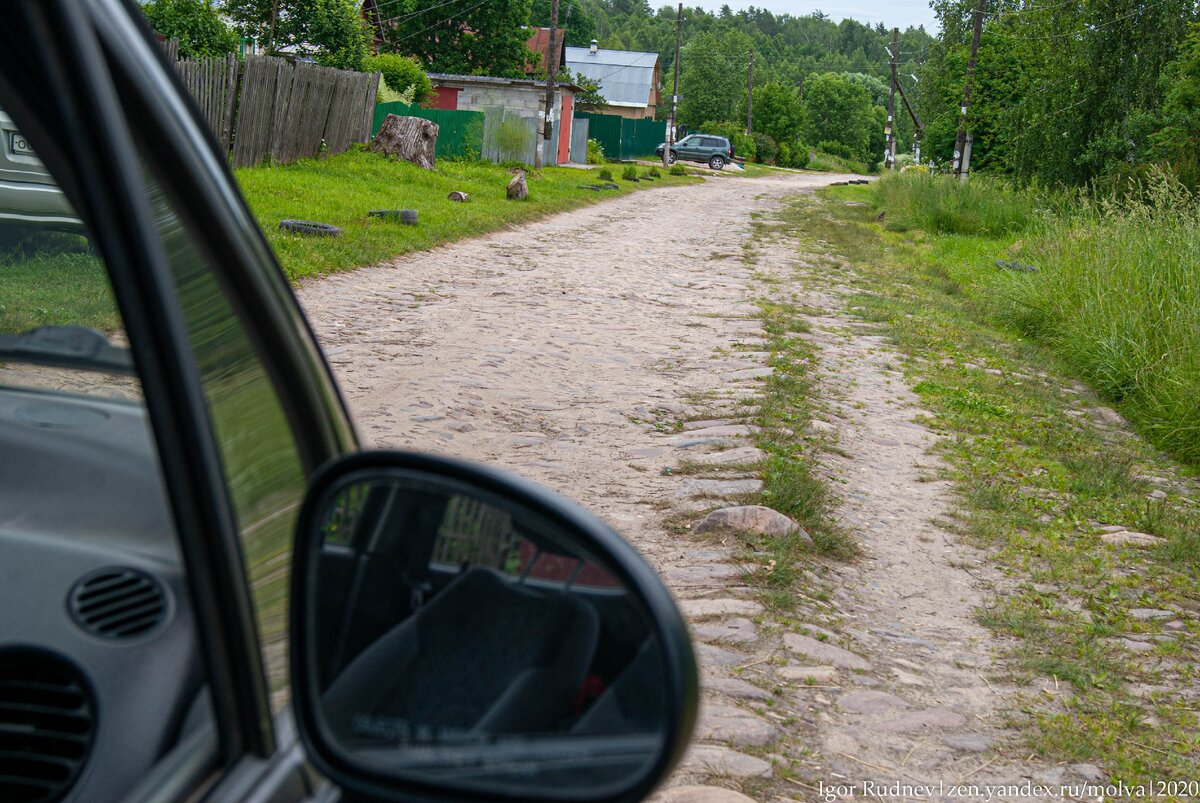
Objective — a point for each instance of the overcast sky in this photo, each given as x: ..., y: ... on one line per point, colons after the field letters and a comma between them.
x: 892, y: 13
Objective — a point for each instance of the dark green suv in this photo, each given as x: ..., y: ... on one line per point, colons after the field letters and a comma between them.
x: 714, y: 150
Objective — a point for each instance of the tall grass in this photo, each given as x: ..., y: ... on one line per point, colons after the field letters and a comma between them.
x: 943, y: 205
x: 1117, y: 295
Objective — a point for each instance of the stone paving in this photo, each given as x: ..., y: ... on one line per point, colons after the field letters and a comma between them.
x: 597, y: 350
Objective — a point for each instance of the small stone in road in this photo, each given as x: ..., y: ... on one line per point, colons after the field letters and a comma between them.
x: 700, y: 794
x: 423, y: 419
x: 813, y: 675
x: 1157, y: 494
x: 712, y: 574
x: 690, y: 487
x: 968, y: 742
x: 737, y: 631
x: 723, y: 761
x: 1089, y: 772
x: 748, y: 373
x: 755, y: 518
x: 938, y: 718
x: 688, y: 426
x: 870, y: 702
x: 1136, y: 646
x: 736, y: 688
x: 696, y: 608
x: 692, y: 442
x: 462, y: 426
x: 739, y: 455
x: 728, y: 723
x: 823, y: 651
x: 708, y: 655
x: 824, y: 427
x: 653, y: 451
x: 722, y: 431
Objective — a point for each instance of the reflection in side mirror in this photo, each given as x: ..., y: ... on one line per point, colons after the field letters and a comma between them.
x: 459, y: 631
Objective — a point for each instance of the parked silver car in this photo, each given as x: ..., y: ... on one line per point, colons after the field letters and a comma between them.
x: 28, y: 195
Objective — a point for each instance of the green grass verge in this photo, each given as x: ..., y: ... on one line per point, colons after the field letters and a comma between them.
x: 1039, y: 475
x: 341, y: 190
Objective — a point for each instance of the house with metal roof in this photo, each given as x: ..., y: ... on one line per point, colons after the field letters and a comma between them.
x: 629, y: 80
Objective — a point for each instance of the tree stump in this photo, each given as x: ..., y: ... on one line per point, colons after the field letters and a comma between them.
x: 518, y: 190
x: 410, y: 138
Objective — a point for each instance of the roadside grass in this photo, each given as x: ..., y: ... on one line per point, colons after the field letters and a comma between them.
x: 341, y: 190
x: 49, y: 280
x: 1040, y: 469
x: 828, y: 163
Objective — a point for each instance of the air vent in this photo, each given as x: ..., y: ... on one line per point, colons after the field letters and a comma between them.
x: 118, y: 603
x: 47, y: 720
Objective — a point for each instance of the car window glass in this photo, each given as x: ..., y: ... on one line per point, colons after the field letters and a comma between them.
x: 258, y: 449
x: 91, y: 573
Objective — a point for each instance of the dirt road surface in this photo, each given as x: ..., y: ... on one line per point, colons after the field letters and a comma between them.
x: 569, y: 350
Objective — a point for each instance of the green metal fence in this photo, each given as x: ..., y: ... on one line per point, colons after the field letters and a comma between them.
x: 460, y: 133
x: 623, y: 138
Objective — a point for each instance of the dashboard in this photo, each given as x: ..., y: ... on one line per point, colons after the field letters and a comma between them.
x: 100, y: 670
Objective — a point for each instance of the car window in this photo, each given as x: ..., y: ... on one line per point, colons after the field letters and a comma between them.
x: 91, y: 573
x: 258, y: 449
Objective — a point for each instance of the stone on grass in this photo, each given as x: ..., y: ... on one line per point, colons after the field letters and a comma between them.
x: 748, y: 373
x: 739, y: 455
x: 723, y: 761
x: 1130, y: 538
x: 458, y: 195
x: 825, y: 652
x: 755, y: 518
x: 720, y: 431
x: 1150, y: 613
x: 1089, y: 772
x: 518, y: 189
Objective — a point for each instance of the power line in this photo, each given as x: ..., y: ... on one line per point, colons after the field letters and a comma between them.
x: 437, y: 24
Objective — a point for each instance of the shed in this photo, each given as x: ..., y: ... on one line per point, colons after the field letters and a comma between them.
x: 629, y: 80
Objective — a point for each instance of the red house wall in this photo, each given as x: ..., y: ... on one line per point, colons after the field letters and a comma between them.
x: 443, y: 97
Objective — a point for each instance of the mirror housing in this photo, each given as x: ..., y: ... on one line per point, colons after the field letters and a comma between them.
x: 387, y: 608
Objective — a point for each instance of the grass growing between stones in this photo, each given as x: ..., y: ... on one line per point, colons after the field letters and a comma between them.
x: 1106, y: 636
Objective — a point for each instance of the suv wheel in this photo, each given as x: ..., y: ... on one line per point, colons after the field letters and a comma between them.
x: 671, y: 157
x: 716, y: 162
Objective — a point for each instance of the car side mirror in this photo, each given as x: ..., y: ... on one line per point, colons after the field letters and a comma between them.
x: 459, y: 633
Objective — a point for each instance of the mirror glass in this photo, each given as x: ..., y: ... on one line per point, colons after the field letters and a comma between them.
x: 463, y: 641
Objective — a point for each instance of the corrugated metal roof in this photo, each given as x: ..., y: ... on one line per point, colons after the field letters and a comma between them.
x: 626, y: 77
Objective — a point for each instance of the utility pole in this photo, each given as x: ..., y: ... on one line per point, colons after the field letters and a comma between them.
x: 551, y: 69
x: 962, y: 143
x: 919, y: 128
x: 675, y: 91
x: 750, y: 97
x: 889, y: 158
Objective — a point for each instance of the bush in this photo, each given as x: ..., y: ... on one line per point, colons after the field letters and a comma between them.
x: 839, y: 149
x: 654, y: 172
x: 595, y: 152
x: 743, y: 146
x: 604, y: 174
x: 766, y: 150
x: 198, y: 24
x: 629, y: 173
x: 402, y: 75
x: 793, y: 154
x: 678, y: 170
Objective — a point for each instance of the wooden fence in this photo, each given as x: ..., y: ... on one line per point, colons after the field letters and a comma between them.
x: 269, y: 109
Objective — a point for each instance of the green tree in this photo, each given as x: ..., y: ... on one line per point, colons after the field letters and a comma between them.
x: 572, y: 17
x: 713, y: 79
x: 589, y: 98
x: 461, y: 36
x: 197, y: 24
x: 331, y: 31
x: 778, y: 112
x: 839, y: 111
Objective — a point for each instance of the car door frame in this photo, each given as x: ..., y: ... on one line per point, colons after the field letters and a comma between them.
x: 70, y: 66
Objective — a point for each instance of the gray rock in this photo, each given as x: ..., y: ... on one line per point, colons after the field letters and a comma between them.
x: 822, y: 651
x: 669, y: 407
x: 695, y: 608
x: 1150, y: 613
x: 700, y: 794
x: 748, y: 373
x: 823, y: 427
x: 733, y: 687
x: 808, y: 675
x: 688, y: 426
x: 691, y: 443
x: 870, y: 702
x: 711, y: 574
x: 461, y: 426
x: 755, y: 518
x: 708, y: 655
x: 717, y: 760
x: 726, y: 431
x: 735, y: 631
x: 736, y: 456
x: 728, y: 723
x: 1157, y: 494
x: 692, y: 487
x: 968, y: 742
x: 930, y: 718
x: 1135, y: 645
x: 1089, y: 772
x: 1130, y: 538
x: 458, y: 195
